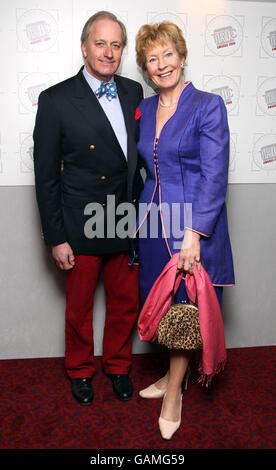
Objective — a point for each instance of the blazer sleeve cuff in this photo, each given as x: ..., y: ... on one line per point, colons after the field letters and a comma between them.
x: 54, y: 239
x: 197, y: 231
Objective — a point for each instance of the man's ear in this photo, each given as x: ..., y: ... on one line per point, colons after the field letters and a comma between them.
x: 83, y: 49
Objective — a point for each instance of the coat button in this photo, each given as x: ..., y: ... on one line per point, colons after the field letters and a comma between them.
x: 92, y: 147
x: 103, y: 177
x: 103, y: 204
x: 133, y: 200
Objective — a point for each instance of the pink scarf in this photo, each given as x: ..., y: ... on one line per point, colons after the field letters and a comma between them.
x: 201, y: 291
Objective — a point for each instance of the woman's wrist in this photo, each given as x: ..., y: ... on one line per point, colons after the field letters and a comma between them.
x: 194, y: 234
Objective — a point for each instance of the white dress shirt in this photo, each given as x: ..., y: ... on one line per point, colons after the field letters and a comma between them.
x: 112, y: 110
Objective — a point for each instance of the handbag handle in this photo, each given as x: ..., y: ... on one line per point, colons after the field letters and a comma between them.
x: 174, y: 290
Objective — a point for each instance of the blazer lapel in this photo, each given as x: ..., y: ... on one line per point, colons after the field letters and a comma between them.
x: 129, y: 122
x: 88, y: 105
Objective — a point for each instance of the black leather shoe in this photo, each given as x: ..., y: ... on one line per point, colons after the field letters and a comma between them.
x: 82, y: 390
x: 122, y: 386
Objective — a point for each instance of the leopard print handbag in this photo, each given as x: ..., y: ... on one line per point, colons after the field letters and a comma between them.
x: 179, y: 328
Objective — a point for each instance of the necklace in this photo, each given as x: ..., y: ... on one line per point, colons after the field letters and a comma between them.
x: 167, y: 105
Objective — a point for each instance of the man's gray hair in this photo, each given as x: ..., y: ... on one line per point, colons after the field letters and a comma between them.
x: 103, y: 15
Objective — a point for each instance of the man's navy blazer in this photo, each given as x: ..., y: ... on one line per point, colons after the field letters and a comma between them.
x: 78, y: 160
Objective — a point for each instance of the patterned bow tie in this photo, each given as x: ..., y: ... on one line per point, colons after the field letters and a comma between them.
x: 108, y: 89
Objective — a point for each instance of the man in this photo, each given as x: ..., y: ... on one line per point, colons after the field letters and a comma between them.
x: 87, y: 126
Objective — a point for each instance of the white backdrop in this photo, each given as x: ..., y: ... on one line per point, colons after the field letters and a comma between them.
x: 231, y: 51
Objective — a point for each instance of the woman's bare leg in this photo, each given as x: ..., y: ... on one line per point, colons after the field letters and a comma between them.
x: 179, y: 361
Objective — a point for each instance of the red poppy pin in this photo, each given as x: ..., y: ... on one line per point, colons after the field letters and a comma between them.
x: 137, y: 114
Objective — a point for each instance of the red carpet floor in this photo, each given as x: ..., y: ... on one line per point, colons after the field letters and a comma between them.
x: 238, y: 411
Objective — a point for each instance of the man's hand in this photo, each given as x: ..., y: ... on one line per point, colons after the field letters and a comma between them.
x: 63, y: 256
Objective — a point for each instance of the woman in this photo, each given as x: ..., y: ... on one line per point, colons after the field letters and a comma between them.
x: 184, y: 147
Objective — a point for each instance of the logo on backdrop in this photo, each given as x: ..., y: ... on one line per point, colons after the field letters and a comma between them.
x: 227, y: 87
x: 37, y: 30
x: 180, y: 19
x: 266, y: 96
x: 29, y: 88
x: 224, y: 35
x: 26, y: 153
x: 264, y: 152
x: 268, y: 37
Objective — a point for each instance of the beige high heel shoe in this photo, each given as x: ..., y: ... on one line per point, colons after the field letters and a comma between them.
x: 152, y: 392
x: 167, y: 427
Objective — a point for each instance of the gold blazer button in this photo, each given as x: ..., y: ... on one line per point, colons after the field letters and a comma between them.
x: 92, y: 147
x: 103, y: 177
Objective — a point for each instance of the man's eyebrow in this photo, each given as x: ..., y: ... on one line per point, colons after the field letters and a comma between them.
x: 104, y: 40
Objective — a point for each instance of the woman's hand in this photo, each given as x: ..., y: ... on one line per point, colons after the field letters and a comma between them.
x: 190, y: 252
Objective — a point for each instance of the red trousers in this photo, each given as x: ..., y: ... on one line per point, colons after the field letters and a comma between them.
x: 122, y: 307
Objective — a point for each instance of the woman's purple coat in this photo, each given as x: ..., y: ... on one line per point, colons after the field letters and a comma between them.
x: 190, y: 166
